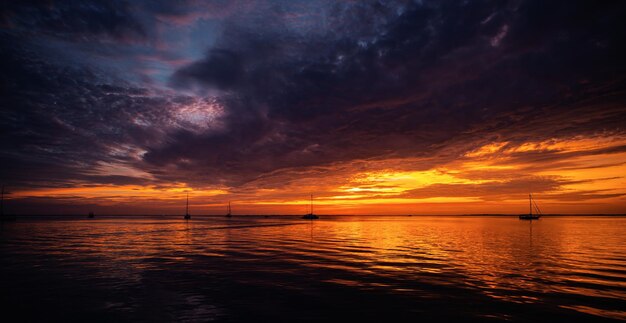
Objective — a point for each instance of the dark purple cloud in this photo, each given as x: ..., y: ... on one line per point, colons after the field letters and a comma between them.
x: 75, y: 20
x: 287, y: 85
x: 409, y: 82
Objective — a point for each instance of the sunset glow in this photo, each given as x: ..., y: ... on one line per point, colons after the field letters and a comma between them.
x: 264, y: 104
x: 313, y: 160
x: 574, y: 176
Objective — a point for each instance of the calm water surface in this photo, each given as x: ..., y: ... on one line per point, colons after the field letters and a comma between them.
x: 287, y: 269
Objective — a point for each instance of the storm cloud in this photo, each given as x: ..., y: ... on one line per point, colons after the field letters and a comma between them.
x: 231, y: 94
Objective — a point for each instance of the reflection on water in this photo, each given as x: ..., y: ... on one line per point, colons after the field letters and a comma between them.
x: 365, y: 268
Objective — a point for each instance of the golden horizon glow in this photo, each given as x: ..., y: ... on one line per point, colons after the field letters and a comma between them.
x: 569, y: 176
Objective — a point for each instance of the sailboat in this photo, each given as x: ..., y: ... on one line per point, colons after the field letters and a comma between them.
x: 311, y: 216
x: 91, y: 215
x: 531, y: 205
x: 187, y: 215
x: 228, y: 214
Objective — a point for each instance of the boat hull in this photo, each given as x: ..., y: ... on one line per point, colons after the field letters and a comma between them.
x: 310, y: 217
x: 528, y: 217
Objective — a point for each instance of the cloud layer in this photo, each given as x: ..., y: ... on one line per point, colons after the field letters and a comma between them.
x: 252, y: 97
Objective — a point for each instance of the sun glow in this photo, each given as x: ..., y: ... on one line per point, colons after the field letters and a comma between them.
x: 571, y: 175
x: 397, y: 182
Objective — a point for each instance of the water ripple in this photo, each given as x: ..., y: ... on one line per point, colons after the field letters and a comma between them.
x: 366, y: 268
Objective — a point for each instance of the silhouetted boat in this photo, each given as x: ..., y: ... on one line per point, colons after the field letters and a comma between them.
x: 531, y: 205
x: 187, y: 215
x: 228, y: 214
x: 311, y: 216
x: 2, y: 216
x: 91, y: 215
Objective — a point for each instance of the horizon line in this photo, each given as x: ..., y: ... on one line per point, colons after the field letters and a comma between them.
x: 332, y: 215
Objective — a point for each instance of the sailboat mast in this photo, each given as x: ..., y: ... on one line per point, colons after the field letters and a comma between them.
x: 187, y: 207
x: 530, y: 204
x: 311, y: 203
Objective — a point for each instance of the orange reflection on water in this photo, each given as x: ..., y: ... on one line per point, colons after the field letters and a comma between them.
x: 497, y: 258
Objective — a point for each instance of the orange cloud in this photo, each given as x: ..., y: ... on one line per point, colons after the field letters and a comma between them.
x: 576, y: 175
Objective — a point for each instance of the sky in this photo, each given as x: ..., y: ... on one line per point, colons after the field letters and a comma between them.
x: 372, y: 107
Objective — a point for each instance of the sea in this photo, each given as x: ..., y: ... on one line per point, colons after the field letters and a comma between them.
x: 337, y: 268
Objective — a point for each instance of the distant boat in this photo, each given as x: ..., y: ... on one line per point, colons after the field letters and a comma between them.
x: 311, y: 216
x: 91, y: 215
x: 228, y: 214
x: 187, y: 215
x: 531, y: 205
